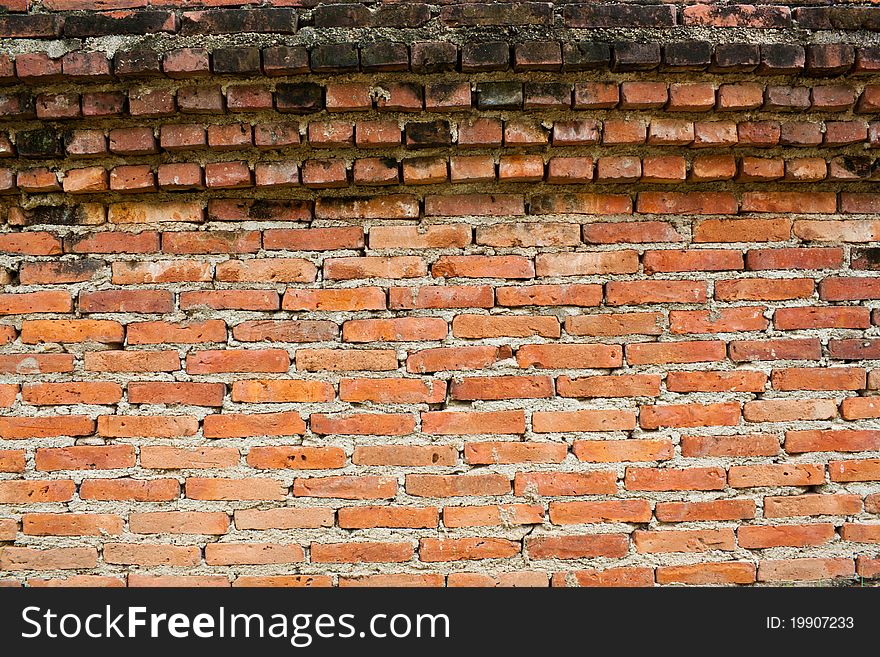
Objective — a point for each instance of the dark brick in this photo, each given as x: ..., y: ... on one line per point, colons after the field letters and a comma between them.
x: 285, y: 60
x: 137, y: 64
x: 7, y: 69
x: 635, y: 56
x: 335, y: 57
x: 736, y: 57
x: 866, y: 259
x: 787, y: 99
x: 850, y: 167
x: 619, y: 15
x: 411, y: 14
x: 134, y: 22
x: 867, y: 60
x: 35, y: 26
x: 824, y: 59
x: 737, y: 15
x: 348, y: 15
x: 299, y: 98
x: 40, y: 143
x: 585, y: 56
x: 17, y: 106
x: 502, y: 13
x: 56, y: 215
x: 434, y: 56
x: 687, y: 56
x: 813, y: 18
x: 256, y: 209
x: 781, y: 59
x: 499, y: 95
x: 428, y: 134
x: 547, y: 95
x: 384, y: 56
x: 537, y: 56
x: 237, y: 61
x: 489, y: 56
x: 852, y: 18
x: 239, y: 21
x: 447, y: 94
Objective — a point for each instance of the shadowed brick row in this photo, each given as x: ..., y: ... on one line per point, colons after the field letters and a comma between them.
x: 454, y: 96
x: 465, y: 169
x: 429, y: 57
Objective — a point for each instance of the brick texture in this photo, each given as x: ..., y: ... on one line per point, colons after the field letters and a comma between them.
x: 371, y: 294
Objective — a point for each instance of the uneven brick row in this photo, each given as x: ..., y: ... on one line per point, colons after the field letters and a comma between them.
x: 715, y: 573
x: 383, y: 171
x: 816, y: 60
x: 414, y: 15
x: 455, y: 95
x: 406, y: 206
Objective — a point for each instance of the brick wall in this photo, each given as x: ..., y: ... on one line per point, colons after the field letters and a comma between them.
x: 438, y: 294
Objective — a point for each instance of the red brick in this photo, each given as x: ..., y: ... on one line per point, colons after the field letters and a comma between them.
x: 767, y: 536
x: 457, y: 549
x: 237, y: 360
x: 240, y: 425
x: 675, y: 352
x: 479, y: 485
x: 694, y: 540
x: 488, y: 516
x: 624, y: 385
x: 446, y: 296
x: 296, y: 458
x: 405, y: 455
x: 577, y: 547
x: 722, y: 320
x: 716, y: 573
x: 610, y: 324
x: 609, y: 577
x: 812, y: 505
x: 617, y: 451
x: 732, y: 509
x: 748, y: 476
x: 346, y: 487
x: 83, y: 457
x: 835, y: 378
x: 655, y: 479
x: 623, y: 293
x: 565, y: 483
x: 483, y: 326
x: 235, y: 489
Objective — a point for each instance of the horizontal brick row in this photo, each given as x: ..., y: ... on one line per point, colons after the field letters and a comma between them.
x: 701, y: 573
x: 648, y: 417
x: 410, y: 207
x: 484, y: 133
x: 433, y: 550
x: 383, y: 171
x: 718, y: 573
x: 445, y: 96
x: 470, y: 14
x: 814, y: 60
